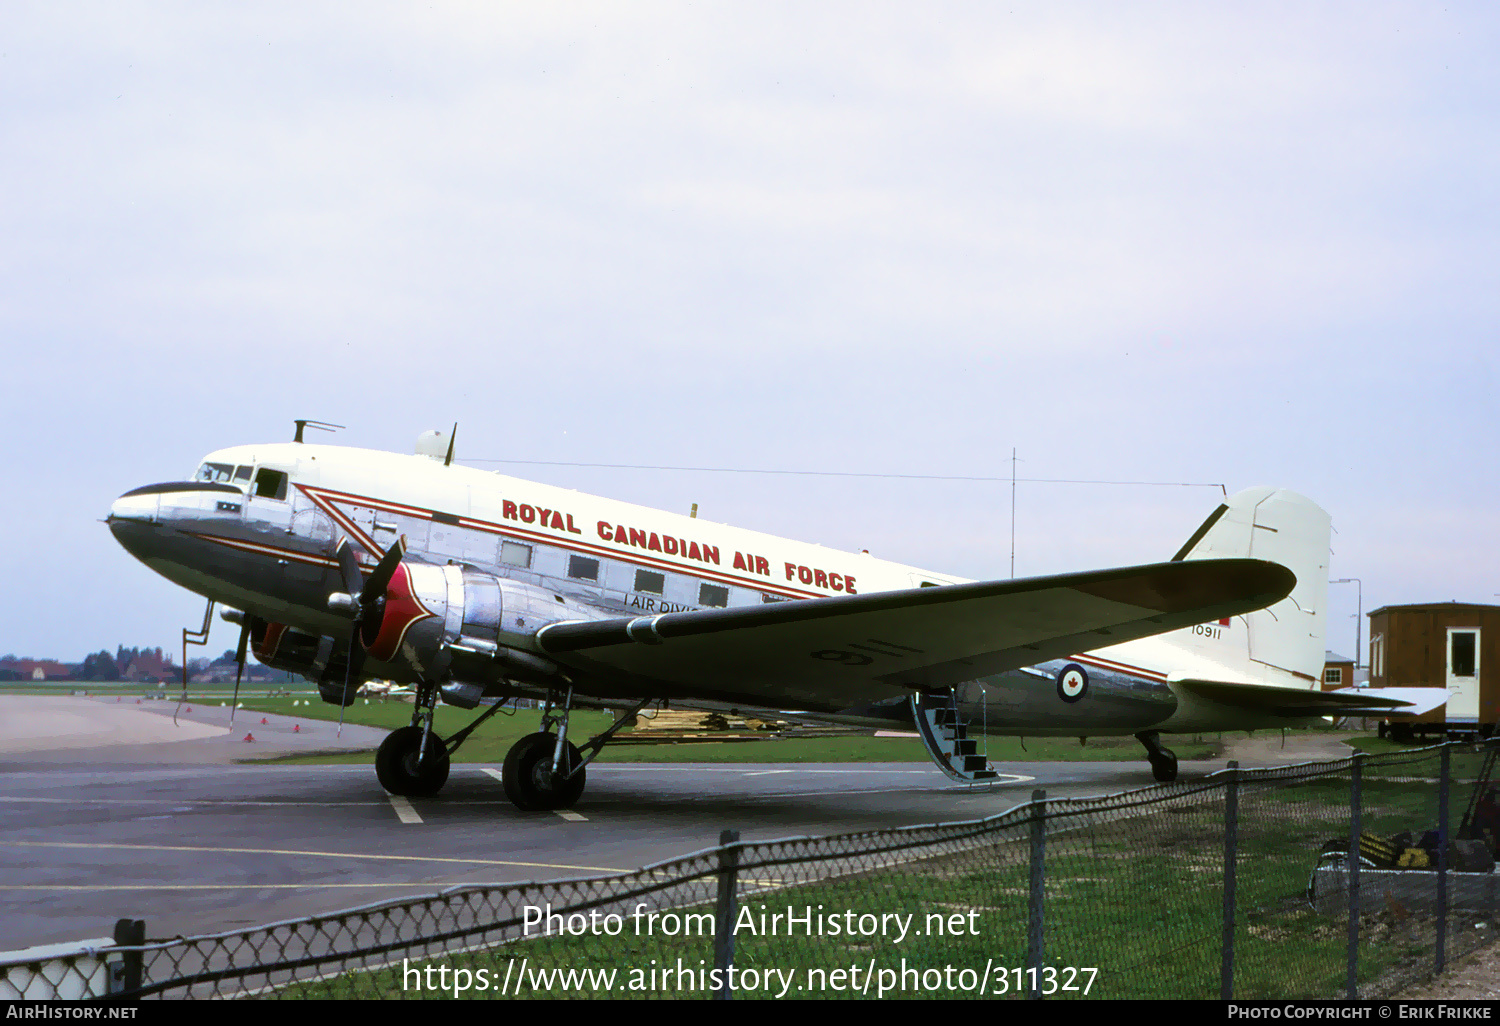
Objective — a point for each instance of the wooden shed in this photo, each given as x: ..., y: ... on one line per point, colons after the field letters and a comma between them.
x: 1452, y: 645
x: 1338, y: 671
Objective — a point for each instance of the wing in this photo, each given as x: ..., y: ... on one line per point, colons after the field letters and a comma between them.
x: 830, y: 654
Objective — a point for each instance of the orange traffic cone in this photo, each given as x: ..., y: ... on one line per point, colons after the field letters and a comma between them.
x: 249, y: 737
x: 296, y: 728
x: 262, y: 721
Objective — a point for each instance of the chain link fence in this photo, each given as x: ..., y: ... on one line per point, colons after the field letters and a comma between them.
x: 1239, y: 884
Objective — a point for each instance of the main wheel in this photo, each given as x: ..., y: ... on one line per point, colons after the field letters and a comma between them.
x: 1164, y: 767
x: 529, y: 781
x: 396, y: 764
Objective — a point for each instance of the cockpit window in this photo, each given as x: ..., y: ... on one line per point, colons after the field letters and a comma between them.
x: 270, y: 484
x: 241, y: 474
x: 215, y: 473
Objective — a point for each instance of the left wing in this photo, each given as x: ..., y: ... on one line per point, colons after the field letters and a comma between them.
x: 828, y: 654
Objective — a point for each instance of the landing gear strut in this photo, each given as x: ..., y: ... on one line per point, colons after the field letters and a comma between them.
x: 1163, y: 761
x: 413, y: 761
x: 542, y: 771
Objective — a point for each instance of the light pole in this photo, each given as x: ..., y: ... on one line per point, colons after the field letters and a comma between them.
x: 1359, y: 614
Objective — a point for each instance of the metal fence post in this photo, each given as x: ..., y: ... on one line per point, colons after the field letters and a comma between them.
x: 130, y: 933
x: 729, y: 861
x: 1231, y: 840
x: 1035, y: 946
x: 1351, y: 873
x: 1442, y: 860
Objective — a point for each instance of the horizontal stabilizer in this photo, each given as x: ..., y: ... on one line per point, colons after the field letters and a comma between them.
x: 1418, y: 700
x: 1296, y: 703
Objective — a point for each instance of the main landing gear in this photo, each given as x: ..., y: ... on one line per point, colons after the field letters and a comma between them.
x: 413, y: 761
x: 542, y: 771
x: 1163, y: 761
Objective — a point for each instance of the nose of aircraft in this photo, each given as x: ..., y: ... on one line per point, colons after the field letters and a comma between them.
x: 135, y: 507
x: 133, y: 518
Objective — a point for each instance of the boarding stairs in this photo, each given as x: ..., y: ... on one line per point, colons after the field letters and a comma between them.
x: 945, y: 734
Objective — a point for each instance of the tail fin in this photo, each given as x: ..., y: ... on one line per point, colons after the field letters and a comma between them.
x: 1282, y: 527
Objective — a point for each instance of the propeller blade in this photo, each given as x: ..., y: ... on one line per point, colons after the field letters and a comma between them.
x: 381, y: 578
x: 354, y: 580
x: 239, y: 658
x: 352, y: 677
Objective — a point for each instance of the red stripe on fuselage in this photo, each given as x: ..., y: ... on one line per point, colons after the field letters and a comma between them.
x: 325, y: 498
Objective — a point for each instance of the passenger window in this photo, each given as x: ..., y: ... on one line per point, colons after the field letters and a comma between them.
x: 583, y: 568
x: 515, y: 554
x: 713, y: 595
x: 270, y: 484
x: 649, y: 582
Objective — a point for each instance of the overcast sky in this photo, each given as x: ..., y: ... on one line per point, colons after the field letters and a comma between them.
x: 1237, y: 244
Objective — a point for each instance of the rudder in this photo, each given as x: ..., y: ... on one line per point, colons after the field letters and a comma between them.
x: 1283, y: 527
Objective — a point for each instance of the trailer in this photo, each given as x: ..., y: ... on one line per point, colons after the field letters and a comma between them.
x: 1449, y: 645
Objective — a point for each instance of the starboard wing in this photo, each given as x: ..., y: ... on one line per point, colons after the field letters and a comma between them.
x: 831, y: 653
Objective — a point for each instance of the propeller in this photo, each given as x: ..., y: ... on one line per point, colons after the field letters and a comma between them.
x: 366, y: 605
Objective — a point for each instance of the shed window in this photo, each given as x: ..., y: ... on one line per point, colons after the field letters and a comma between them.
x: 649, y: 582
x: 1461, y: 653
x: 1333, y: 675
x: 515, y: 554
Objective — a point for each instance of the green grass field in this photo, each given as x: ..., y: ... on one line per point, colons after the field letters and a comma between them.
x: 492, y: 740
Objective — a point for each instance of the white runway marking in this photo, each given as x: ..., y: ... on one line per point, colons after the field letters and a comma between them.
x: 404, y: 810
x: 314, y: 854
x: 571, y: 817
x: 767, y: 773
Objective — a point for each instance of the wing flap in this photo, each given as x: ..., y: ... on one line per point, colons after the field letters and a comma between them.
x: 834, y: 652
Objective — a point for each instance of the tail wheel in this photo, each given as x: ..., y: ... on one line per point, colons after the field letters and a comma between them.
x: 396, y: 764
x: 529, y: 780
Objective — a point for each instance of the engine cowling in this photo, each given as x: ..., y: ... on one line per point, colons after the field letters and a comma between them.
x: 286, y: 648
x: 437, y: 621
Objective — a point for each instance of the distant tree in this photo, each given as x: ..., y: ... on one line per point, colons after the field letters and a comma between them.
x: 99, y: 666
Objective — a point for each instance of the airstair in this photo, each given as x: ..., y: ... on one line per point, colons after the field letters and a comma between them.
x: 945, y: 734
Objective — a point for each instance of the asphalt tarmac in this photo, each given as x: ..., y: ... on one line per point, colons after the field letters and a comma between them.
x: 104, y: 816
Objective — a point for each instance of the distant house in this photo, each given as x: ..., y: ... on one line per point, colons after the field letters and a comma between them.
x: 1338, y: 671
x: 39, y: 669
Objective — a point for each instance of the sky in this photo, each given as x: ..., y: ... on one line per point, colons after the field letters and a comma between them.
x: 1198, y: 244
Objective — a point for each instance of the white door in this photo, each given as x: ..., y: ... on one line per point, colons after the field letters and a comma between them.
x: 1463, y: 674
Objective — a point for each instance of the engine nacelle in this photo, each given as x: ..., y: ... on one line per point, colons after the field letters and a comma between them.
x: 441, y: 620
x: 281, y: 647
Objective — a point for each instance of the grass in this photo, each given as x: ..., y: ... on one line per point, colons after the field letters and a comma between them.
x: 492, y: 740
x: 1137, y: 897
